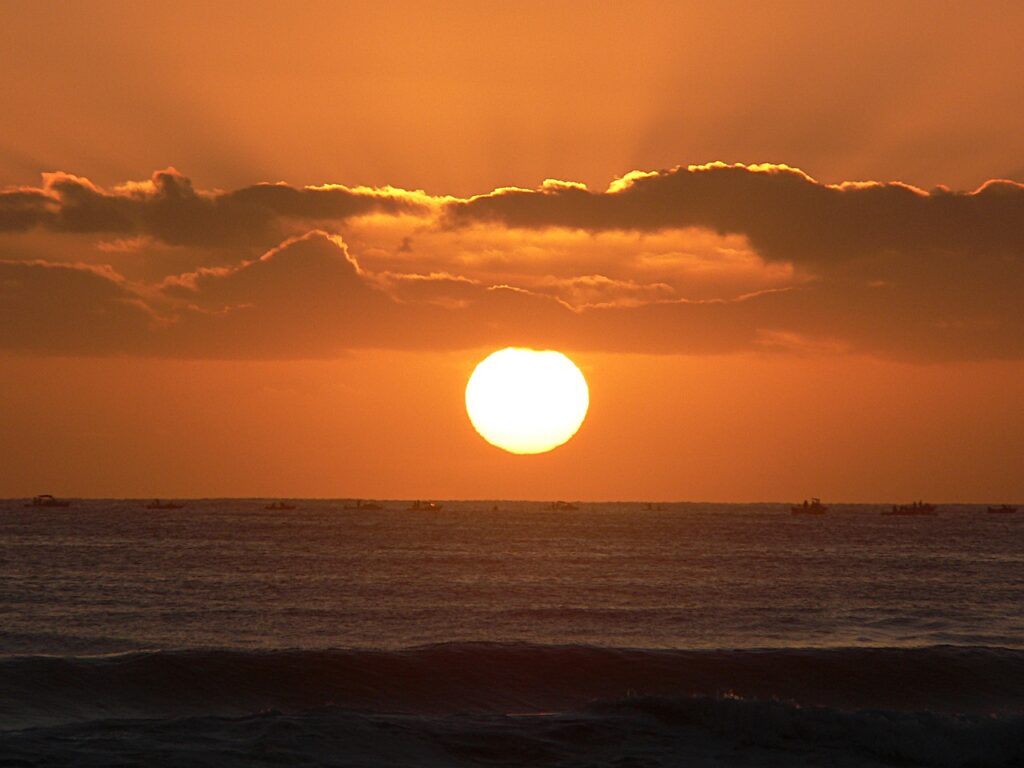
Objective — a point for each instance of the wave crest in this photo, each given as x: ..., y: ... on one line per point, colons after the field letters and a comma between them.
x: 500, y: 678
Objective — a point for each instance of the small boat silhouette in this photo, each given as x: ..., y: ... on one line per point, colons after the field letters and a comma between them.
x: 46, y: 500
x: 157, y: 504
x: 279, y: 505
x: 1004, y: 509
x: 812, y: 507
x: 911, y: 510
x: 425, y: 506
x: 563, y: 506
x: 365, y: 505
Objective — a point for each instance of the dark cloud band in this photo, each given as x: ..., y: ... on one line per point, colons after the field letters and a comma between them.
x: 169, y: 209
x: 885, y: 269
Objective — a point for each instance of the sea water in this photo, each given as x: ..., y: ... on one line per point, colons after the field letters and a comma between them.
x: 509, y: 633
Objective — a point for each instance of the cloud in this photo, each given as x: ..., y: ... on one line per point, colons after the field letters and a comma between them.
x: 22, y: 209
x: 589, y: 291
x: 68, y: 309
x: 785, y: 214
x: 894, y: 269
x: 310, y: 298
x: 306, y: 297
x: 702, y: 259
x: 168, y: 208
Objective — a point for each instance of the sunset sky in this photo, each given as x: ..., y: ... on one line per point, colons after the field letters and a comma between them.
x: 257, y: 250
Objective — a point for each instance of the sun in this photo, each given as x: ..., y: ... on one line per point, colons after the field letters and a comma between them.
x: 527, y: 400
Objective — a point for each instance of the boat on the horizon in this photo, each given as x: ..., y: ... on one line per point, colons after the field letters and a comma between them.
x: 157, y: 504
x: 365, y: 505
x: 277, y: 506
x: 46, y: 500
x: 912, y: 510
x: 563, y: 506
x: 1003, y: 509
x: 652, y: 507
x: 811, y: 507
x: 425, y: 506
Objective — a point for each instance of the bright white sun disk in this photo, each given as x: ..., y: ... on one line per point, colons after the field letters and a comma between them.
x: 527, y: 401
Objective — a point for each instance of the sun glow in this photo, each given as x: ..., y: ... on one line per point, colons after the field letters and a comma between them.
x: 527, y: 401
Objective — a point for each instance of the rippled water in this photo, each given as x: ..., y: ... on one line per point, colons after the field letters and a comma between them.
x: 109, y: 576
x: 224, y: 634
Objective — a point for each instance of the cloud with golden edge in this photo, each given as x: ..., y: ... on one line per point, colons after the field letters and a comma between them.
x: 710, y: 258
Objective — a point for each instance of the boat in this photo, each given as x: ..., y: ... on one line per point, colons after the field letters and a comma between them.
x: 563, y: 506
x: 46, y: 500
x: 425, y: 506
x: 651, y: 507
x: 812, y: 507
x: 911, y: 510
x: 277, y: 506
x: 1004, y: 509
x: 157, y: 504
x: 365, y: 505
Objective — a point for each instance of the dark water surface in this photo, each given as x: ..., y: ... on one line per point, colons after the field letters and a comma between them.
x: 699, y: 634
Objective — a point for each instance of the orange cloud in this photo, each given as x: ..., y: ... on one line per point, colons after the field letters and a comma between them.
x: 712, y: 258
x: 70, y: 309
x: 168, y: 208
x: 785, y: 214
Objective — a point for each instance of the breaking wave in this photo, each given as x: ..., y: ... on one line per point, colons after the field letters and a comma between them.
x: 516, y: 704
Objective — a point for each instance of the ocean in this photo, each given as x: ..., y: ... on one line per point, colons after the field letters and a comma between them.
x: 498, y: 633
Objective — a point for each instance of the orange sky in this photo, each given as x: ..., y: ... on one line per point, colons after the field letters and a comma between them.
x: 753, y: 325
